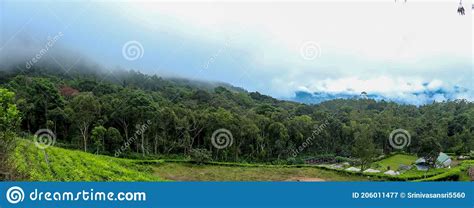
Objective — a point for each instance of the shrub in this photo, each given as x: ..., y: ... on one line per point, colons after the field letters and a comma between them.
x: 200, y: 156
x: 452, y: 174
x: 345, y: 159
x: 9, y: 121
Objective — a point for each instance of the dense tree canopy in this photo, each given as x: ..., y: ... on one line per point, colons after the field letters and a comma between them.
x: 172, y: 117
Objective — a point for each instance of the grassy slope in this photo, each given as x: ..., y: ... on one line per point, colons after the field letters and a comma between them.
x: 191, y: 172
x: 395, y: 161
x: 458, y: 173
x: 71, y: 165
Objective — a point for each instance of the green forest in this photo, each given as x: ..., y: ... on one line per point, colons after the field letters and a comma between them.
x: 128, y: 114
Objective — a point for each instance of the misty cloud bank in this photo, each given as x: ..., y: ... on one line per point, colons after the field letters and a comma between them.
x: 389, y: 57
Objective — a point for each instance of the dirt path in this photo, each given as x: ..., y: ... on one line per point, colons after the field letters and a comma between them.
x: 305, y: 179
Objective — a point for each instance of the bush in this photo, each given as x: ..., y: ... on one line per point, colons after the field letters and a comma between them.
x: 9, y: 122
x: 375, y: 165
x: 279, y: 162
x: 294, y: 161
x: 452, y: 174
x: 200, y: 156
x: 340, y: 159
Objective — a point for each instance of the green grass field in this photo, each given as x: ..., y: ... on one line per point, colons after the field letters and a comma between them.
x: 457, y: 172
x: 192, y: 172
x: 57, y: 164
x: 395, y: 161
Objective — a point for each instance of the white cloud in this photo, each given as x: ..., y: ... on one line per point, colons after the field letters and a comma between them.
x: 369, y: 46
x: 381, y: 47
x: 413, y: 91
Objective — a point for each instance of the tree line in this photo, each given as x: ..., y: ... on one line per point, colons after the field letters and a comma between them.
x: 100, y: 115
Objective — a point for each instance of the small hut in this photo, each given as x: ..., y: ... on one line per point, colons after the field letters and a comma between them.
x: 421, y: 164
x: 443, y: 161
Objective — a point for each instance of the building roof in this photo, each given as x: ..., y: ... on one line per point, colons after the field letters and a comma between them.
x: 420, y: 160
x: 442, y: 157
x: 443, y: 160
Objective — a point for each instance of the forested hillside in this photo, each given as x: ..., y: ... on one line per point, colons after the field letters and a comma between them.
x: 130, y: 114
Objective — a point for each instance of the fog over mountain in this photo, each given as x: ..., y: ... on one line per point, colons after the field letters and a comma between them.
x: 392, y: 52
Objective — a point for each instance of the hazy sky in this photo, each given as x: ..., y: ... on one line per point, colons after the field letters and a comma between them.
x: 396, y: 50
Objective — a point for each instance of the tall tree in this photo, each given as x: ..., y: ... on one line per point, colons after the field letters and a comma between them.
x: 9, y: 121
x: 86, y: 109
x: 113, y: 139
x: 279, y: 134
x: 98, y: 138
x: 364, y: 147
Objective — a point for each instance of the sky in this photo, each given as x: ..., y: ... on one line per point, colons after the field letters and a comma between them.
x: 415, y: 52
